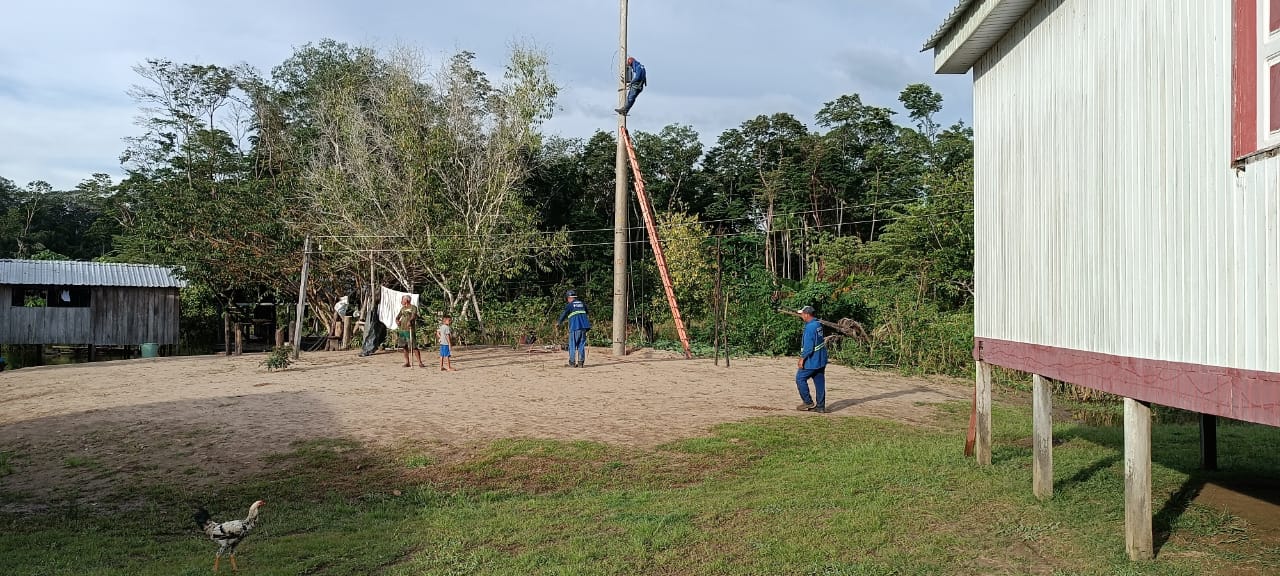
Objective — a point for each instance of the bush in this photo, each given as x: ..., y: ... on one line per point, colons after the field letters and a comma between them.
x: 279, y: 358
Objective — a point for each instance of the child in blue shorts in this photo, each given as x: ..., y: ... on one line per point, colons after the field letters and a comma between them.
x: 445, y: 336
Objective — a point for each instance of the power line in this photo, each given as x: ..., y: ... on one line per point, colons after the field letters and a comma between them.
x: 660, y: 226
x: 724, y: 235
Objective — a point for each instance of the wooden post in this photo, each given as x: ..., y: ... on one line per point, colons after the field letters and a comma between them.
x: 715, y: 307
x: 239, y: 328
x: 280, y: 332
x: 724, y: 327
x: 1137, y: 480
x: 1042, y: 409
x: 1208, y: 442
x: 302, y: 297
x: 982, y: 411
x: 226, y: 331
x: 346, y: 332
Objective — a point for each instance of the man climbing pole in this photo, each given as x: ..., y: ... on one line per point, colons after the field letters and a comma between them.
x: 636, y: 81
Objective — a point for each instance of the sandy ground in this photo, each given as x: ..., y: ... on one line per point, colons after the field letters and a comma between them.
x: 81, y: 427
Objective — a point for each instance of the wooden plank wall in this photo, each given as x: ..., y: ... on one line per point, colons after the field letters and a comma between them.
x: 116, y: 316
x: 131, y: 316
x: 6, y: 296
x: 46, y: 325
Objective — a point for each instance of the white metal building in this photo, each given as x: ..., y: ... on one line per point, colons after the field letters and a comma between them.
x: 1127, y: 206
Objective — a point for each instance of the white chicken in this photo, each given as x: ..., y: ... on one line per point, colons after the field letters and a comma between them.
x: 227, y: 534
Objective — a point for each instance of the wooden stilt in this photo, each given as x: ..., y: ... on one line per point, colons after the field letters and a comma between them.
x: 1208, y: 442
x: 1137, y: 480
x: 982, y: 406
x: 1042, y: 425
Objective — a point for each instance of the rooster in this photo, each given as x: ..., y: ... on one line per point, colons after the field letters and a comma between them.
x: 227, y: 534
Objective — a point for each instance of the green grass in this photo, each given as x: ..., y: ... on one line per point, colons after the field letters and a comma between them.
x: 781, y: 495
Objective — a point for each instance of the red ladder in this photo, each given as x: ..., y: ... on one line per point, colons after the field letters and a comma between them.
x: 647, y: 210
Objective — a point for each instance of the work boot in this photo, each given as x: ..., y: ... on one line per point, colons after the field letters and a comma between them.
x: 622, y: 111
x: 820, y: 409
x: 804, y: 407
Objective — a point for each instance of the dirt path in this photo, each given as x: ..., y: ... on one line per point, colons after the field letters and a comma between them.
x: 80, y: 427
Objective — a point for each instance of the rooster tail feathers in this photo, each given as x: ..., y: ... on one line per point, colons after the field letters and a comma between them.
x: 202, y: 518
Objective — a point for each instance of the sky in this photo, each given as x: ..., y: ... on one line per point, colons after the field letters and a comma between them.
x: 65, y: 66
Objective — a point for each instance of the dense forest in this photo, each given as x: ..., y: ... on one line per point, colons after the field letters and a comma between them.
x: 439, y: 180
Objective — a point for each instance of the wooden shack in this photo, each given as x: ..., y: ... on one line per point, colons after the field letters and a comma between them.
x: 87, y: 303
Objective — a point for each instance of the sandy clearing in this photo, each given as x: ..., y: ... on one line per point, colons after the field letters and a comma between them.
x: 79, y: 427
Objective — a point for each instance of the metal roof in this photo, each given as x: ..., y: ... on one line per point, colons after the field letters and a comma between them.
x: 71, y: 273
x: 951, y: 20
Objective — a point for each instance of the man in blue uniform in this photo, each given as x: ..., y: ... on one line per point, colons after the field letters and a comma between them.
x: 636, y: 81
x: 575, y: 311
x: 812, y: 364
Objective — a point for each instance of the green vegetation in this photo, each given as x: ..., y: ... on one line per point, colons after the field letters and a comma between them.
x: 279, y: 358
x: 441, y: 181
x: 783, y: 495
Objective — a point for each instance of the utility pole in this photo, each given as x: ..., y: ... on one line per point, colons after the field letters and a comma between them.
x: 302, y: 297
x: 620, y: 232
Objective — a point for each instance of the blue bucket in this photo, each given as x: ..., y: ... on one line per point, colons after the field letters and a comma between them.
x: 150, y: 350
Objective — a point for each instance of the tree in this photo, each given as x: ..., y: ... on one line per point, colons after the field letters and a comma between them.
x: 422, y: 169
x: 669, y: 161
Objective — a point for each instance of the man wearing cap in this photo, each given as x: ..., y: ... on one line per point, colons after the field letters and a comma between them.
x: 812, y: 364
x: 575, y: 311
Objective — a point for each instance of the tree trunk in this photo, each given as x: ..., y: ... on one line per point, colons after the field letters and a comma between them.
x: 769, y: 257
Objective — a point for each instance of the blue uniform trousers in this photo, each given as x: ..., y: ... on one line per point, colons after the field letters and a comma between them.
x: 578, y: 346
x: 819, y: 376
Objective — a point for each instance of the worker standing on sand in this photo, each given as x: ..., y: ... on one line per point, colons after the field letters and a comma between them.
x: 575, y: 311
x: 812, y: 364
x: 636, y: 80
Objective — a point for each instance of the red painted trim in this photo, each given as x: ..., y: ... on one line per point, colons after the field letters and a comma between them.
x: 1244, y: 77
x: 1248, y: 395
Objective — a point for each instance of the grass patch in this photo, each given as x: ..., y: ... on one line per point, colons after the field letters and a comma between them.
x: 777, y: 495
x: 81, y: 462
x: 6, y: 463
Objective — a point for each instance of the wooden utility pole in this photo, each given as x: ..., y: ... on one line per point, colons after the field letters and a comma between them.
x: 302, y: 297
x: 620, y: 232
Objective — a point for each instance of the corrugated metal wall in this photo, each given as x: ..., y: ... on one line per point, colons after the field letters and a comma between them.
x: 1108, y: 217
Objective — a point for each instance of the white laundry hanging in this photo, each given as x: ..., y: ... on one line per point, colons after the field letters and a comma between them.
x: 389, y: 307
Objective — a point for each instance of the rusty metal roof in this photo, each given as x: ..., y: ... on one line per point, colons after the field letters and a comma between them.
x: 70, y: 273
x: 954, y: 16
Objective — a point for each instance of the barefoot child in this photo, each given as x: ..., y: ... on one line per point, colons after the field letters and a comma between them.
x: 445, y: 336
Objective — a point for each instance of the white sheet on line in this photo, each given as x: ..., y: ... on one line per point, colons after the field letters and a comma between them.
x: 389, y: 307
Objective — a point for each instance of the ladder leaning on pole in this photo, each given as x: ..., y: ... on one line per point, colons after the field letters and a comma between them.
x: 646, y: 209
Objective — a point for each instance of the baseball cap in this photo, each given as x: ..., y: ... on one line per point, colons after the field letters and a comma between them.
x: 805, y: 310
x: 571, y: 293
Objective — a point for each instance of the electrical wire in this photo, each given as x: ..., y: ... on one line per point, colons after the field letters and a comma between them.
x: 723, y: 235
x: 776, y: 216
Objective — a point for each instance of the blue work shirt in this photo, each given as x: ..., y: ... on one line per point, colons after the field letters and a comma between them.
x: 576, y: 312
x: 813, y: 349
x: 636, y: 75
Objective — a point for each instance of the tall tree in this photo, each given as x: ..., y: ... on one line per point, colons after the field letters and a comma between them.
x: 423, y: 169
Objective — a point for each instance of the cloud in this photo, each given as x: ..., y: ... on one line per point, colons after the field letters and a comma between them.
x: 65, y: 67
